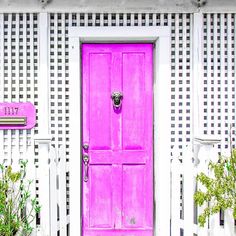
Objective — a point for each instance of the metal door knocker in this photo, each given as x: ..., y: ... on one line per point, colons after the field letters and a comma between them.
x: 117, y: 99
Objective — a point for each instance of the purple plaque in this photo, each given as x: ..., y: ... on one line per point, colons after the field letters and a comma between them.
x: 20, y: 115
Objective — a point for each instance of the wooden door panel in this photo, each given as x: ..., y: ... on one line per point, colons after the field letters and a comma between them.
x: 133, y: 204
x: 118, y: 196
x: 100, y: 210
x: 133, y: 89
x: 99, y: 102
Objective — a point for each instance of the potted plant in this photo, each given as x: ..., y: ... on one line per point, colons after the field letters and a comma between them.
x: 218, y: 189
x: 17, y: 207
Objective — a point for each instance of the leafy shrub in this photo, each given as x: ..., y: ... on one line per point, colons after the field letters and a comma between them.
x: 17, y: 208
x: 219, y: 190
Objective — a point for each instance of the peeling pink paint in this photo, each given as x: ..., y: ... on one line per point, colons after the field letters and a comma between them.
x: 118, y: 196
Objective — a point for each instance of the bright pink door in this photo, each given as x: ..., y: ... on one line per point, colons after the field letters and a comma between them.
x: 117, y: 139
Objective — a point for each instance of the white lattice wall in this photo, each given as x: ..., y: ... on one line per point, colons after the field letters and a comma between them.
x: 18, y: 73
x: 181, y: 89
x: 218, y: 101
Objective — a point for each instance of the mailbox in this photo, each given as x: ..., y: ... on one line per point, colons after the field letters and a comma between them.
x: 17, y: 115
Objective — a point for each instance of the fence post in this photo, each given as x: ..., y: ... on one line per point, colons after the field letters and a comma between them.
x: 229, y: 228
x: 206, y: 153
x: 188, y: 190
x: 53, y: 191
x: 44, y: 184
x: 175, y: 194
x: 62, y: 190
x: 229, y: 223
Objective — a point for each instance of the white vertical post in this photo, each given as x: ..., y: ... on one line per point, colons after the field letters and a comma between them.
x: 53, y: 191
x: 1, y: 80
x: 24, y: 86
x: 197, y: 74
x: 43, y: 140
x: 175, y: 195
x: 75, y: 135
x: 229, y: 223
x: 9, y: 86
x: 43, y: 91
x: 188, y: 190
x: 206, y: 153
x: 215, y: 229
x: 162, y: 136
x: 203, y: 167
x: 44, y: 185
x: 62, y: 190
x: 31, y: 175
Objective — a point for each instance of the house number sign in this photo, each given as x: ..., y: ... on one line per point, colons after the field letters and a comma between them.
x: 17, y: 115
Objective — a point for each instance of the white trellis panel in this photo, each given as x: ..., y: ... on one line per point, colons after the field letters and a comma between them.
x: 181, y: 67
x: 18, y: 73
x: 218, y: 79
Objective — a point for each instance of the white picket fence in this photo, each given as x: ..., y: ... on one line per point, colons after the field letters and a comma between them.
x: 49, y: 185
x: 184, y: 212
x: 48, y: 171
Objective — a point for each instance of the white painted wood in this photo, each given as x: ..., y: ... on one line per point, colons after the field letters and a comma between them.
x: 31, y: 176
x: 188, y: 179
x: 222, y: 73
x: 62, y: 190
x: 75, y: 135
x: 23, y: 86
x: 160, y: 36
x: 214, y: 224
x: 123, y: 34
x: 230, y: 78
x: 31, y: 72
x: 176, y: 71
x: 229, y: 228
x: 44, y: 185
x: 56, y: 81
x: 53, y: 191
x: 1, y: 80
x: 63, y: 93
x: 206, y: 153
x: 184, y: 85
x: 125, y: 19
x: 209, y: 68
x: 162, y: 133
x: 43, y: 107
x: 16, y: 93
x: 175, y: 195
x: 197, y: 75
x: 9, y: 86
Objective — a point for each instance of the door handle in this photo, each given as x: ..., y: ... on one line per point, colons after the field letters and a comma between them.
x: 86, y: 161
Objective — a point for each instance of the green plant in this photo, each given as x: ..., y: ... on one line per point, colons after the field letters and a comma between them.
x: 17, y: 208
x: 219, y: 189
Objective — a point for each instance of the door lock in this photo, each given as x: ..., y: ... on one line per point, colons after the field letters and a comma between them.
x: 85, y: 146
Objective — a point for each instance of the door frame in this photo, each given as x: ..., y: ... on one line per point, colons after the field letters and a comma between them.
x: 160, y: 36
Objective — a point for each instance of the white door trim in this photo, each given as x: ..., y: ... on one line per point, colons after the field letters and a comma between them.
x: 160, y: 36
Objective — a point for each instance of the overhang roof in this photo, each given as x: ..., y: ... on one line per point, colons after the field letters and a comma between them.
x: 158, y: 6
